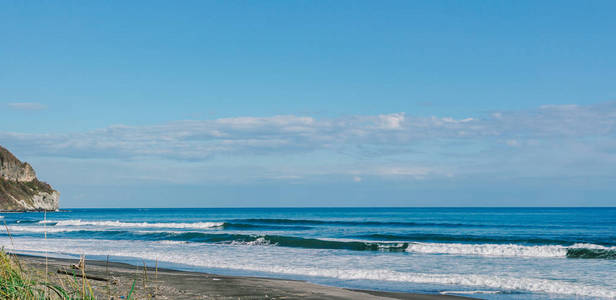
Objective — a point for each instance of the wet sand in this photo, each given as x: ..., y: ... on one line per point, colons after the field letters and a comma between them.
x: 153, y: 283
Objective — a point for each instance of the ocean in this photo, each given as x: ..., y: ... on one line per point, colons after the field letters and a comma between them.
x: 490, y: 253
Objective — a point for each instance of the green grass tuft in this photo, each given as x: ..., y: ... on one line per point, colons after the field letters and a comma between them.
x: 17, y: 284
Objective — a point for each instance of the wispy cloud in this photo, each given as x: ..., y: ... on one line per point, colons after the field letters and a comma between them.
x: 548, y: 140
x: 199, y: 140
x: 26, y: 106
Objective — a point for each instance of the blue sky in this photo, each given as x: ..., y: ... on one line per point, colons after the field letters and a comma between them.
x: 313, y: 103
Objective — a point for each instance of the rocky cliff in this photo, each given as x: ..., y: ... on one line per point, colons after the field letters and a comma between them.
x: 20, y: 189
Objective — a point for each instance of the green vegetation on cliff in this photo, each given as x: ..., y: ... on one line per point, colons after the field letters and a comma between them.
x: 26, y: 191
x: 20, y: 189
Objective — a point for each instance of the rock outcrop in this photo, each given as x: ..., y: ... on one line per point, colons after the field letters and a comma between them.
x: 20, y: 190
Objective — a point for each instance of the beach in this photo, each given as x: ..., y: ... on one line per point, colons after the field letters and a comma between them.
x: 504, y: 254
x: 112, y: 280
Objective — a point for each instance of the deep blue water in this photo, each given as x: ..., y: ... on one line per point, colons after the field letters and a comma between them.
x: 500, y: 253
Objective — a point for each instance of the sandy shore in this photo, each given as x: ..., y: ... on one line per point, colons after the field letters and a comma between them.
x: 154, y: 283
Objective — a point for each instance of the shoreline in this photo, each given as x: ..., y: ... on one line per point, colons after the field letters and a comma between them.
x: 164, y: 283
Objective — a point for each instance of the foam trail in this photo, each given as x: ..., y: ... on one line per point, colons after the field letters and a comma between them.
x: 40, y: 229
x: 197, y: 225
x: 488, y: 249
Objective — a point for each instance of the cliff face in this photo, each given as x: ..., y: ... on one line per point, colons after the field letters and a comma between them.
x: 20, y: 189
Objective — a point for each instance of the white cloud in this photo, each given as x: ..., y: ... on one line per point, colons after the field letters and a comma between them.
x: 548, y: 142
x: 392, y: 121
x: 402, y: 171
x: 370, y: 137
x: 452, y: 120
x: 27, y: 106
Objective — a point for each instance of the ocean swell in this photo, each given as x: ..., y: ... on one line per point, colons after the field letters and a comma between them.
x: 591, y: 253
x: 372, y: 223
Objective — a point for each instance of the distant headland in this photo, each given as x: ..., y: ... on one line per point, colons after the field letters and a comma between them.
x: 20, y: 190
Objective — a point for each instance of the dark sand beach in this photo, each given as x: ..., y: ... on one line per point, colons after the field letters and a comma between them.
x: 114, y: 280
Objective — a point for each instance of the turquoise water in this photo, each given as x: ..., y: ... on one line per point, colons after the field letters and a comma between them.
x: 494, y: 253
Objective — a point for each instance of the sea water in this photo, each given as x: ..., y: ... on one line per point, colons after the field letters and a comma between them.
x: 493, y: 253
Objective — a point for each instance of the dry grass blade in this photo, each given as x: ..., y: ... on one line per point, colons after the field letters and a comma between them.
x: 145, y: 279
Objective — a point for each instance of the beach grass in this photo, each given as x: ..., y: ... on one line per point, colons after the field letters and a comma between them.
x: 17, y: 282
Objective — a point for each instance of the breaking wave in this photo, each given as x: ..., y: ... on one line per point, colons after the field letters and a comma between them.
x: 513, y: 250
x: 197, y: 225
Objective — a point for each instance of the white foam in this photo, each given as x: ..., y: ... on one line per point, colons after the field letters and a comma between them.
x: 498, y: 249
x: 41, y: 229
x: 166, y: 242
x: 197, y: 225
x: 469, y: 292
x: 261, y: 241
x: 590, y: 246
